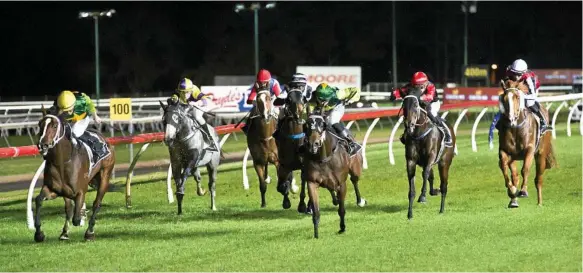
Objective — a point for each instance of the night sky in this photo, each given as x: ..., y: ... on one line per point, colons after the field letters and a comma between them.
x: 148, y: 46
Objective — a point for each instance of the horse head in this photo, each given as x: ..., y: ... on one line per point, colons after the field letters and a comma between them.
x: 295, y: 103
x: 316, y: 133
x: 264, y: 103
x: 175, y: 121
x: 412, y: 108
x: 52, y: 130
x: 511, y: 101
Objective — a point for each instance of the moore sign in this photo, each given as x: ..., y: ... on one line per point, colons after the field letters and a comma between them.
x: 338, y: 76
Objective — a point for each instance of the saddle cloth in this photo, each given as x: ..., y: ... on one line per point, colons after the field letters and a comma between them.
x: 96, y: 149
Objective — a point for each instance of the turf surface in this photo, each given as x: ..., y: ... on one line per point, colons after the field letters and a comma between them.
x: 476, y: 233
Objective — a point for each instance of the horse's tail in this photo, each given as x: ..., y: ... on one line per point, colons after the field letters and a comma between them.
x: 551, y: 160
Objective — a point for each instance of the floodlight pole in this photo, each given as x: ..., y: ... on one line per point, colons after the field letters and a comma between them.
x: 394, y: 38
x: 256, y: 37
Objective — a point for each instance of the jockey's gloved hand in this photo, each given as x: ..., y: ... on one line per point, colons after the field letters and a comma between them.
x: 96, y: 118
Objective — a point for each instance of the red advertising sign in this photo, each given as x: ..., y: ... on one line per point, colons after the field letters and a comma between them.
x: 557, y: 76
x: 465, y: 94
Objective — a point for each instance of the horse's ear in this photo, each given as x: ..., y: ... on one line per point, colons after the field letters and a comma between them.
x: 162, y: 105
x: 43, y: 110
x: 503, y: 84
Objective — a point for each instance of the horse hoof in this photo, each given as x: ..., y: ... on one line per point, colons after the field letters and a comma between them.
x: 76, y: 222
x: 434, y: 192
x: 523, y: 194
x: 89, y: 236
x: 286, y: 204
x: 362, y: 202
x: 214, y: 208
x: 201, y: 192
x: 263, y: 205
x: 335, y: 202
x: 302, y: 208
x: 513, y: 204
x: 341, y: 231
x: 64, y: 237
x: 39, y: 236
x: 422, y: 199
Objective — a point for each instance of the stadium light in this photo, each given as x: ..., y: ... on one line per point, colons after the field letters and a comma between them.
x: 255, y: 7
x: 95, y: 15
x: 467, y: 7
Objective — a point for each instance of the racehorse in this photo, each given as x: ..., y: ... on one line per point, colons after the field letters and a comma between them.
x: 260, y: 142
x: 290, y: 140
x: 328, y: 164
x: 188, y: 150
x: 424, y: 146
x: 70, y: 168
x: 520, y: 139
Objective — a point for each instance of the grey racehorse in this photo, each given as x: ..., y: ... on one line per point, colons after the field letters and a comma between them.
x: 188, y: 150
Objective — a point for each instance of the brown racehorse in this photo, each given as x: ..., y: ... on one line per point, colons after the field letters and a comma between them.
x: 290, y: 139
x: 67, y: 173
x: 328, y: 164
x: 519, y: 139
x: 424, y: 146
x: 260, y: 141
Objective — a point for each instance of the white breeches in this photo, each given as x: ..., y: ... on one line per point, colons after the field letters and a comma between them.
x: 336, y: 114
x: 435, y: 108
x: 198, y: 116
x: 79, y: 127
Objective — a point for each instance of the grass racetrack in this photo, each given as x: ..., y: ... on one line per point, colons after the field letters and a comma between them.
x: 476, y: 233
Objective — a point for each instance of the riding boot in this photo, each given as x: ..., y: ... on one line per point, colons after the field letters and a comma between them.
x: 207, y: 135
x: 536, y: 110
x: 353, y: 146
x: 437, y: 121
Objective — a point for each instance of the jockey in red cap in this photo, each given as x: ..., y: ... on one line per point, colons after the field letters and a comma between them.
x: 264, y: 80
x: 429, y: 96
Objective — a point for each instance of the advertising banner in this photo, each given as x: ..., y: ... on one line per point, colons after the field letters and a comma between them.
x: 466, y: 94
x: 338, y: 76
x: 228, y: 98
x: 557, y: 76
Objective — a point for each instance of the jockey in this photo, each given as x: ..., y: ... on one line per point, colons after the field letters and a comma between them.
x: 264, y: 80
x: 188, y: 94
x: 298, y: 82
x: 79, y: 109
x: 429, y: 96
x: 332, y: 100
x: 518, y: 71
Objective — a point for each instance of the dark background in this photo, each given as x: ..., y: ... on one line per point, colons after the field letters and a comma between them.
x: 148, y: 46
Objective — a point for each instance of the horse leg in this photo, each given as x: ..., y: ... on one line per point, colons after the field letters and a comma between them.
x: 68, y: 218
x: 411, y: 166
x: 313, y: 194
x: 443, y: 177
x: 105, y: 174
x: 45, y: 194
x: 334, y: 197
x: 503, y: 163
x: 176, y: 168
x: 432, y: 190
x: 212, y: 171
x: 302, y: 204
x: 341, y: 207
x: 354, y: 178
x: 525, y: 171
x: 79, y: 201
x: 513, y: 192
x: 260, y: 170
x: 284, y: 176
x: 541, y: 164
x: 426, y: 171
x: 198, y: 178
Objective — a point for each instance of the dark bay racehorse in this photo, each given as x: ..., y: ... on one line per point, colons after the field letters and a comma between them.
x: 260, y: 142
x: 68, y: 173
x: 425, y: 147
x: 519, y: 139
x: 328, y: 164
x: 290, y: 140
x: 188, y: 150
